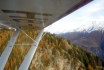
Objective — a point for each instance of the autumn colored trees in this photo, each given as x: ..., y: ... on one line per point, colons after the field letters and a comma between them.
x: 57, y: 46
x: 4, y: 37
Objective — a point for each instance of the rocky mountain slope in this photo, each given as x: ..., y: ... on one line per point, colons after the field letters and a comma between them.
x: 53, y: 53
x: 90, y: 37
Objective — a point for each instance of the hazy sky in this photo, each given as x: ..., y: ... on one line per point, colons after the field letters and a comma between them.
x: 94, y: 11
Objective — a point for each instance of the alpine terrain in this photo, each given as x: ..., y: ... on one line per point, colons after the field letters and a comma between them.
x: 90, y: 37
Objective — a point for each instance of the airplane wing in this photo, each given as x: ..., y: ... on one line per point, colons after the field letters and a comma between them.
x: 32, y: 14
x: 36, y: 14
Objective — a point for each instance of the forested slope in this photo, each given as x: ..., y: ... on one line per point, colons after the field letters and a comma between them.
x: 53, y: 53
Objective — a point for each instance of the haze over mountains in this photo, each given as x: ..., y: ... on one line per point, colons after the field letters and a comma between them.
x: 90, y: 37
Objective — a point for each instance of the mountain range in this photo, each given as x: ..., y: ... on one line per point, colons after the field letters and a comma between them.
x: 90, y: 37
x: 90, y: 27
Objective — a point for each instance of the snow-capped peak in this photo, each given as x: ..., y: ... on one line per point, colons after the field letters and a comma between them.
x: 90, y: 27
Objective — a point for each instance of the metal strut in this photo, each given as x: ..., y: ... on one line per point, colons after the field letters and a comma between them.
x: 5, y: 55
x: 27, y: 60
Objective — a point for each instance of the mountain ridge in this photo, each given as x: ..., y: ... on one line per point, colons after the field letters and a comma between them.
x: 90, y: 27
x: 90, y: 38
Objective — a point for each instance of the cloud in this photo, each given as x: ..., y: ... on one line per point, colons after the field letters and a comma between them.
x: 94, y: 6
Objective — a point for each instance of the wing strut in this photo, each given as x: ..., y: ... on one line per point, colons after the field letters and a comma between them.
x: 5, y: 55
x: 27, y: 60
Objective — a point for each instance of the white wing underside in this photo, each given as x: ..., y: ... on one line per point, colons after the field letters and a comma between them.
x: 35, y: 14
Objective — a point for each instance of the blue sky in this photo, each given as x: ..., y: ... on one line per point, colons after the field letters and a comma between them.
x: 92, y: 12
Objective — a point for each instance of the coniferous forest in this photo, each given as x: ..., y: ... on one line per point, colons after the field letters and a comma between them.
x: 53, y: 53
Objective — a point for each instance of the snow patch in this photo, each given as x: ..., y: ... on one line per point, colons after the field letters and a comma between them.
x: 90, y: 27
